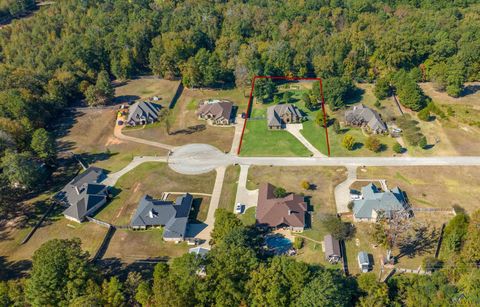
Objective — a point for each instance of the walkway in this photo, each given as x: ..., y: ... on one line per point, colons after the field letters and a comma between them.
x: 342, y: 191
x: 245, y: 196
x: 117, y: 132
x: 205, y: 234
x: 294, y: 129
x: 112, y: 178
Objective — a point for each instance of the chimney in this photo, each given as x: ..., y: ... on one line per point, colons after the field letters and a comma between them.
x: 76, y: 190
x: 289, y: 212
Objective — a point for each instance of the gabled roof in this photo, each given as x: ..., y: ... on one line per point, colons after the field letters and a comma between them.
x: 173, y: 216
x: 374, y: 200
x: 332, y: 246
x: 363, y: 258
x: 289, y: 210
x: 143, y: 110
x: 365, y: 114
x: 275, y: 113
x: 79, y: 209
x: 218, y: 109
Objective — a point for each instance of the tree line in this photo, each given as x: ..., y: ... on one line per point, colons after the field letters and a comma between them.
x: 237, y: 273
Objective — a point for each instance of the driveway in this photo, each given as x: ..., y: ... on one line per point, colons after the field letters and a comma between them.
x: 244, y: 196
x: 112, y: 178
x: 237, y: 136
x: 117, y: 132
x: 294, y: 129
x: 342, y: 191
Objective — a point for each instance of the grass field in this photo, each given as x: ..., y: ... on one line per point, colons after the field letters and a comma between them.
x: 146, y: 87
x: 248, y: 218
x: 229, y: 188
x: 151, y: 179
x: 434, y: 186
x: 259, y: 141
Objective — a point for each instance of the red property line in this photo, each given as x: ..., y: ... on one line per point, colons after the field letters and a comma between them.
x: 250, y: 99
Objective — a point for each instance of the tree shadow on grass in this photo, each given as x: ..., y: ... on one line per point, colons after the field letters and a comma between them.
x: 421, y: 241
x: 13, y: 269
x: 357, y: 146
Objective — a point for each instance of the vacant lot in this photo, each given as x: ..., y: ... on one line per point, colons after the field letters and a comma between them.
x: 146, y: 87
x: 320, y: 197
x: 471, y: 95
x: 89, y: 132
x: 433, y: 187
x: 229, y: 188
x: 152, y: 179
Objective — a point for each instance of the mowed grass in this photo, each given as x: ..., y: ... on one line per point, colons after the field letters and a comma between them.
x: 152, y: 179
x: 229, y: 188
x: 259, y: 141
x: 248, y: 218
x: 433, y: 186
x: 146, y: 87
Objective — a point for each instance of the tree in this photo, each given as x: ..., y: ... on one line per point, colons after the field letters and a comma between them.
x: 423, y: 142
x: 348, y: 142
x: 112, y: 293
x: 397, y: 148
x: 104, y: 86
x: 308, y: 101
x: 424, y: 114
x: 305, y: 185
x: 43, y: 144
x: 374, y: 293
x: 225, y: 222
x: 338, y: 229
x: 382, y: 88
x: 143, y: 294
x: 337, y: 91
x: 454, y: 235
x: 279, y: 192
x: 471, y: 248
x: 60, y: 271
x: 320, y: 119
x: 264, y: 90
x: 336, y: 127
x: 287, y: 96
x: 21, y: 169
x: 373, y: 144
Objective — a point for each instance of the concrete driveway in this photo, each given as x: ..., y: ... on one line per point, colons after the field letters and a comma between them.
x: 244, y: 196
x: 342, y: 191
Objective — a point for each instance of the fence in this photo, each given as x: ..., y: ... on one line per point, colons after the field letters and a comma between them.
x: 39, y: 223
x: 101, y: 223
x: 106, y: 240
x: 447, y: 210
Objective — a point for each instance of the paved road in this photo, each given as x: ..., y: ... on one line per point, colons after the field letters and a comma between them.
x: 294, y: 129
x: 117, y: 132
x: 112, y: 178
x: 245, y: 196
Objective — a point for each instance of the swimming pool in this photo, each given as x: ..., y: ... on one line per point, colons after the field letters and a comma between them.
x: 278, y: 244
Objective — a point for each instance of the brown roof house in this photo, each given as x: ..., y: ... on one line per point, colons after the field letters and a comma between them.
x: 287, y: 212
x: 363, y: 116
x: 332, y: 249
x: 216, y: 112
x: 282, y: 114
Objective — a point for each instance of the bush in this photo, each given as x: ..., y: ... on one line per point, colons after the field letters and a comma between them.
x: 305, y: 185
x: 423, y: 142
x: 350, y: 205
x: 336, y: 127
x: 373, y: 144
x: 424, y: 114
x: 397, y: 148
x: 298, y: 243
x: 279, y: 192
x: 431, y: 264
x: 377, y: 104
x: 382, y: 88
x: 348, y: 142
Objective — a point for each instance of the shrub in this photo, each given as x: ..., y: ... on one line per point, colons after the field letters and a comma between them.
x: 305, y: 185
x: 377, y: 104
x: 424, y: 114
x: 298, y: 243
x: 336, y: 127
x: 348, y: 142
x: 397, y: 148
x: 373, y: 144
x: 422, y: 143
x: 279, y: 192
x: 350, y: 205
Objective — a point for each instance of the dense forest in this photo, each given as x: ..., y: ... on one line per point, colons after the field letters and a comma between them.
x: 15, y: 8
x: 70, y: 51
x: 236, y: 273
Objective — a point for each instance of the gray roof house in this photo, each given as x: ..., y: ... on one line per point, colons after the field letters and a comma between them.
x: 142, y: 113
x: 84, y: 194
x: 363, y: 262
x: 375, y: 203
x: 173, y: 216
x: 332, y: 249
x: 281, y: 114
x: 364, y: 116
x: 217, y: 112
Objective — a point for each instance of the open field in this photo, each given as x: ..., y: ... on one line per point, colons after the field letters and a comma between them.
x: 89, y: 132
x: 229, y: 188
x: 433, y: 187
x: 151, y: 179
x: 146, y: 87
x: 130, y: 246
x: 471, y: 95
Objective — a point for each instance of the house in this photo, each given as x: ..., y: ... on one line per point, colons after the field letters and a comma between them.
x: 172, y: 216
x: 216, y: 112
x: 375, y: 203
x: 287, y: 212
x: 280, y: 115
x: 84, y: 195
x: 142, y: 113
x: 363, y: 116
x: 363, y: 262
x: 332, y: 249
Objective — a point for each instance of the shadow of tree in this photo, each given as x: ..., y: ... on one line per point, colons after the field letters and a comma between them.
x: 13, y: 269
x: 421, y: 240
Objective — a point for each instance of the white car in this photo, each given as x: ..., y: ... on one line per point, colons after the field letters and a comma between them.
x: 239, y: 208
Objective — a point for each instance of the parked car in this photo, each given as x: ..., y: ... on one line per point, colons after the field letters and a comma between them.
x: 239, y: 208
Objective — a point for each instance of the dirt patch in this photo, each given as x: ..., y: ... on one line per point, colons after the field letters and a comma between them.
x: 113, y: 141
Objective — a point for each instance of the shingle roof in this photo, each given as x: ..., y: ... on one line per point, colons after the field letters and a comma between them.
x: 274, y: 212
x: 363, y: 258
x: 218, y: 109
x: 332, y: 246
x: 275, y: 113
x: 373, y: 200
x: 143, y: 110
x: 173, y: 216
x: 362, y: 113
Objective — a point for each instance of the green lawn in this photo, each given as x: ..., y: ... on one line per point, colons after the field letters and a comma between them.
x: 229, y: 188
x: 259, y: 141
x: 248, y: 217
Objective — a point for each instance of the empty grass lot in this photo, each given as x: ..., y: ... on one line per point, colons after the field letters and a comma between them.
x: 229, y: 188
x: 151, y: 179
x: 434, y: 186
x: 259, y: 141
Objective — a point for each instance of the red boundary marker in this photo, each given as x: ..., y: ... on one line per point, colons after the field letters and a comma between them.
x: 250, y: 99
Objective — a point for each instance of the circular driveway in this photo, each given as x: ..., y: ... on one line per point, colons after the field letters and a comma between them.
x: 195, y: 159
